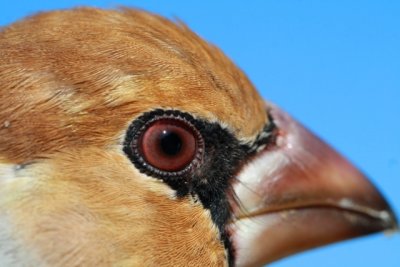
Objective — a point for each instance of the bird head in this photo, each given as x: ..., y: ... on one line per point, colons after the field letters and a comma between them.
x: 127, y: 140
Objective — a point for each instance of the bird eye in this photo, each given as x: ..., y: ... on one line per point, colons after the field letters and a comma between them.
x: 168, y: 144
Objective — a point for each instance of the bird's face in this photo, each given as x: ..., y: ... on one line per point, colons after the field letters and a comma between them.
x: 126, y: 140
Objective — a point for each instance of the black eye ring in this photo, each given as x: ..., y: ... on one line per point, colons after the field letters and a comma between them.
x: 173, y: 149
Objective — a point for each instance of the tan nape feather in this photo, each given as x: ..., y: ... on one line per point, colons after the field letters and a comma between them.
x: 78, y: 77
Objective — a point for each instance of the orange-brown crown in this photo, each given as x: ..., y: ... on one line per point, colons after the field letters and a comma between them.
x: 79, y: 77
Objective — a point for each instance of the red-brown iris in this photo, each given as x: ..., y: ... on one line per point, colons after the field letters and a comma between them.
x: 168, y: 144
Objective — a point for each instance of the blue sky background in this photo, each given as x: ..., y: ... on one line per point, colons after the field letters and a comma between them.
x: 335, y: 65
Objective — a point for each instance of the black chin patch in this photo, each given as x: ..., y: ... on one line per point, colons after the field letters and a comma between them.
x: 209, y: 181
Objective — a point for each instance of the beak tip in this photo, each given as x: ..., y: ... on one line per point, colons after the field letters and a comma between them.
x: 392, y: 222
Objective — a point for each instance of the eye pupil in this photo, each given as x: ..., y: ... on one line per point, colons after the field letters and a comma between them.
x: 170, y: 143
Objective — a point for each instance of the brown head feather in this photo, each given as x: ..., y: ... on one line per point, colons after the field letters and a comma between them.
x: 71, y: 82
x: 79, y: 77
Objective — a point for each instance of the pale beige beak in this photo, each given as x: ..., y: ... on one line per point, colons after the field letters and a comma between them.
x: 301, y: 194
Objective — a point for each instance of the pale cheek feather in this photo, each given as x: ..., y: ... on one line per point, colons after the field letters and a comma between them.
x: 39, y: 225
x: 103, y: 212
x: 13, y: 250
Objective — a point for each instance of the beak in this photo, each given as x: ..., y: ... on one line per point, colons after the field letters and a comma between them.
x: 300, y: 194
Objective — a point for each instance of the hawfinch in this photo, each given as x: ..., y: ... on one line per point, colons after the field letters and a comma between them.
x: 127, y: 140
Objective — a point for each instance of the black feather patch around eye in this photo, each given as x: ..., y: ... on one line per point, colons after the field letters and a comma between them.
x: 194, y: 157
